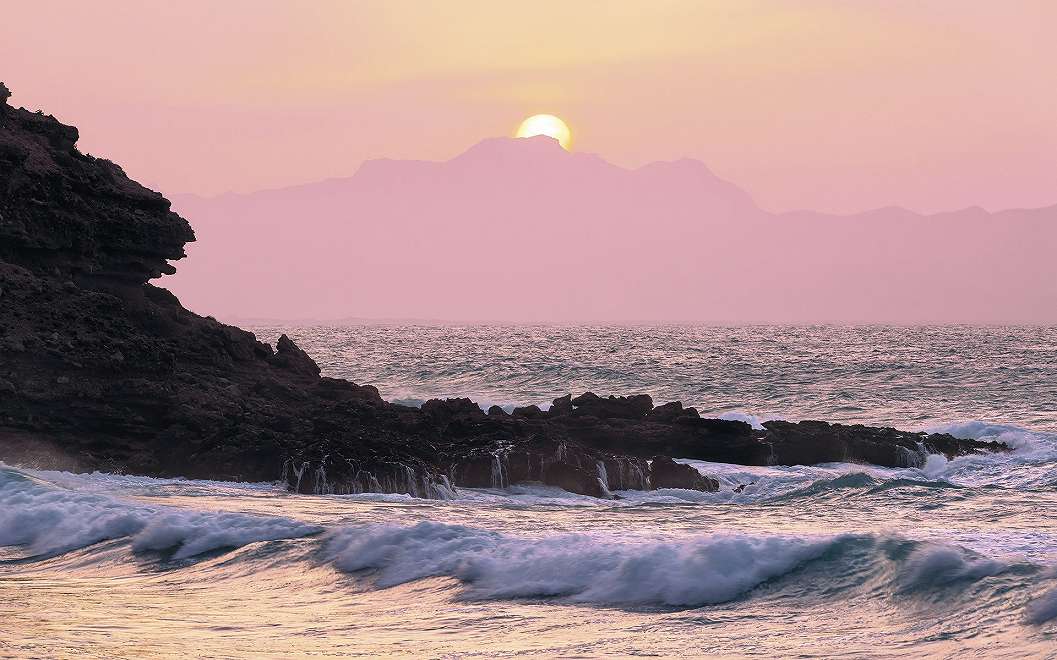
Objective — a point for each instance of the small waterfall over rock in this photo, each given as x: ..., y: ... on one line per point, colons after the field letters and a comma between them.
x: 627, y: 474
x: 321, y: 486
x: 912, y: 458
x: 603, y: 478
x: 442, y: 489
x: 561, y: 453
x: 347, y: 477
x: 299, y: 472
x: 500, y: 472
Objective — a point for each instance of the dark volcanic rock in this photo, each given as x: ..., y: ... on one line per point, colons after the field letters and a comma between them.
x: 110, y: 372
x: 812, y: 442
x: 447, y: 410
x: 527, y: 412
x: 670, y: 411
x: 71, y: 216
x: 621, y: 407
x: 575, y: 480
x: 563, y: 405
x: 666, y: 473
x: 99, y: 369
x: 572, y: 467
x: 290, y: 357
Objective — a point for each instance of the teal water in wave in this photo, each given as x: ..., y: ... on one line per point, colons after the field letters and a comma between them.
x: 955, y: 559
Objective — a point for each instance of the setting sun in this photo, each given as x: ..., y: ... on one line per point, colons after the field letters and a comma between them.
x: 548, y: 125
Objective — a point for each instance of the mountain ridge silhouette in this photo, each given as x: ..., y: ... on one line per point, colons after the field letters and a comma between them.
x: 521, y: 230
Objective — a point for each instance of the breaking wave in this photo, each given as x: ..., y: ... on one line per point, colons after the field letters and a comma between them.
x: 63, y: 522
x: 583, y: 568
x: 46, y: 520
x: 688, y: 572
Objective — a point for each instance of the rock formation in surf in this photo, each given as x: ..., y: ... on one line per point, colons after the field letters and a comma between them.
x: 99, y: 369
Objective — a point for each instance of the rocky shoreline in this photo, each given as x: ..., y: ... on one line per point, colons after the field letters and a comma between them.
x: 101, y: 370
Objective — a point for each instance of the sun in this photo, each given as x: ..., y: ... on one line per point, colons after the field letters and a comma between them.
x: 548, y: 125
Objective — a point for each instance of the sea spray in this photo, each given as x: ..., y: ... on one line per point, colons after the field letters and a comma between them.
x: 47, y: 520
x: 713, y: 569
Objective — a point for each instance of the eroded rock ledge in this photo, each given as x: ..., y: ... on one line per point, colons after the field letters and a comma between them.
x: 100, y: 369
x: 593, y: 445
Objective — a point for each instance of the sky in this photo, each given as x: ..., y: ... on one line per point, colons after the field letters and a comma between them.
x: 808, y: 104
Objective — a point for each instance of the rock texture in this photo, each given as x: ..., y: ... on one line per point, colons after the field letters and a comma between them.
x: 99, y: 369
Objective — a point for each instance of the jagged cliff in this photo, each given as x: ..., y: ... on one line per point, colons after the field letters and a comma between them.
x: 99, y: 369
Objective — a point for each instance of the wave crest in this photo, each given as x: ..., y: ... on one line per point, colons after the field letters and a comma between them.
x: 50, y: 521
x: 707, y: 570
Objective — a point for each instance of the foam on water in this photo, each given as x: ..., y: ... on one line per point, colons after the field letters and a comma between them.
x: 650, y: 553
x: 1032, y: 464
x: 755, y: 421
x: 694, y: 571
x: 582, y: 568
x: 48, y: 520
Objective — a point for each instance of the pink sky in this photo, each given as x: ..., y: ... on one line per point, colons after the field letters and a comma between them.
x: 835, y: 106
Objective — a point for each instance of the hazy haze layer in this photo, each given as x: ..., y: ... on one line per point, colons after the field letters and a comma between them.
x: 523, y: 231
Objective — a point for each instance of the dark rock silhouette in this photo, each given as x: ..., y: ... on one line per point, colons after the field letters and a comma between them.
x: 99, y: 369
x: 666, y: 473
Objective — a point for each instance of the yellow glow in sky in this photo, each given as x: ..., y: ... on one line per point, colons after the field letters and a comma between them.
x: 819, y: 104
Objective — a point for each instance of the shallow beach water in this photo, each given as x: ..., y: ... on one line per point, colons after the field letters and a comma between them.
x: 955, y: 559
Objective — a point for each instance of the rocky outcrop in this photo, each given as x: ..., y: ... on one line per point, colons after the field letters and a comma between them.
x: 666, y: 473
x: 288, y: 356
x: 100, y: 369
x: 71, y: 216
x: 589, y: 404
x: 811, y: 442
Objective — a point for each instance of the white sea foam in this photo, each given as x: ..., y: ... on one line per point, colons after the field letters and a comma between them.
x: 584, y: 568
x: 755, y: 421
x: 1029, y: 465
x: 195, y: 532
x: 48, y: 520
x: 610, y: 569
x: 130, y: 484
x: 1021, y: 439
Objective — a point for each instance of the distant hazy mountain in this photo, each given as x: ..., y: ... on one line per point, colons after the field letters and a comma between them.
x: 521, y: 230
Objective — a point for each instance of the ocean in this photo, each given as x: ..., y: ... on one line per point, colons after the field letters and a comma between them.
x: 957, y: 558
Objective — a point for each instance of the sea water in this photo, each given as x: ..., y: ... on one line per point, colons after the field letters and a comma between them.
x: 955, y: 559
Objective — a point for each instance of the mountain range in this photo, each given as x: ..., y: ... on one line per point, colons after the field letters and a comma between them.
x: 520, y: 230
